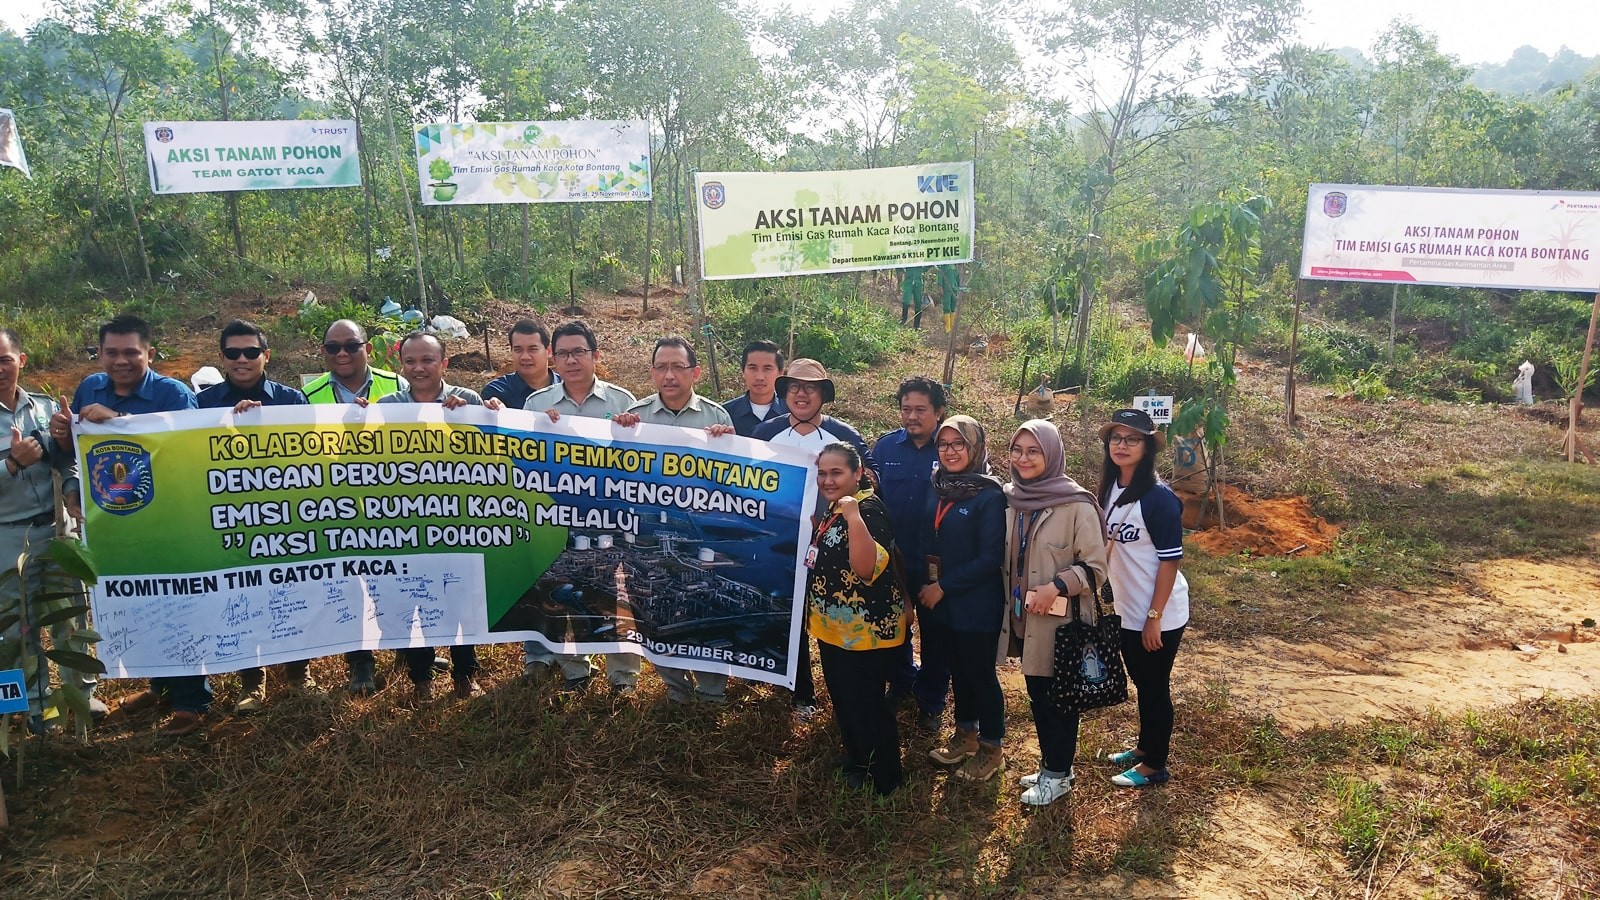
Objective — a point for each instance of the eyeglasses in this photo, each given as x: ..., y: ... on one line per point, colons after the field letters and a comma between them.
x: 1125, y: 440
x: 565, y: 355
x: 800, y: 387
x: 332, y: 348
x: 246, y: 352
x: 1027, y: 453
x: 950, y: 446
x: 671, y: 368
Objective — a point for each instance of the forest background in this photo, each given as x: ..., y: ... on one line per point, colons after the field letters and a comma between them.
x: 1095, y: 128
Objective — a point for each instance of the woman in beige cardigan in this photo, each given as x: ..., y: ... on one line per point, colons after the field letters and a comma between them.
x: 1052, y: 525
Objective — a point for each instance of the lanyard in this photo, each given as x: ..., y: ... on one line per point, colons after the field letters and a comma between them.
x: 823, y: 528
x: 1024, y: 524
x: 939, y: 514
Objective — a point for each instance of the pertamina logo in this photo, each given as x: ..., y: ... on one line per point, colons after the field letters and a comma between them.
x: 120, y: 480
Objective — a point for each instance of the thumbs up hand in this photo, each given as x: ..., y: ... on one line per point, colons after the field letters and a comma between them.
x: 25, y: 451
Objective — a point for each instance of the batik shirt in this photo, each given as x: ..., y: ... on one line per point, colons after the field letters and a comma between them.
x: 843, y: 609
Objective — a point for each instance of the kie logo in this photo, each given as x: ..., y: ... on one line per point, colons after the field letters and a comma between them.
x: 936, y: 184
x: 713, y: 194
x: 1334, y: 203
x: 164, y: 134
x: 120, y: 480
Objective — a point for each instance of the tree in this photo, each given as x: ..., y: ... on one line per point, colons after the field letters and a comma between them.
x: 1205, y: 275
x: 1135, y: 66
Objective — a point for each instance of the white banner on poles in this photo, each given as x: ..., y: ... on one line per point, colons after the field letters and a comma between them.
x: 1526, y: 240
x: 11, y: 143
x: 200, y: 157
x: 533, y: 162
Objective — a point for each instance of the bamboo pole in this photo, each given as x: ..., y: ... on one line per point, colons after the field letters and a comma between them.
x: 1575, y: 411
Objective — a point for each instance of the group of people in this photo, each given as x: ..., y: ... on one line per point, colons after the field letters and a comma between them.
x: 915, y: 534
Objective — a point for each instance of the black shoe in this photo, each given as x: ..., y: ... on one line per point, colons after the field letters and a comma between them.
x: 929, y: 722
x: 363, y: 682
x: 856, y: 779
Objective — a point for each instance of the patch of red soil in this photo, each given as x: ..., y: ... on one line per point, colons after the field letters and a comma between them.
x: 1277, y: 527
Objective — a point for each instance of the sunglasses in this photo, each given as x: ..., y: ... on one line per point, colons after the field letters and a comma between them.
x: 246, y: 352
x: 332, y: 348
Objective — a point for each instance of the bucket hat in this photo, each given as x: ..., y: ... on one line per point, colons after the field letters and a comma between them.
x: 810, y: 371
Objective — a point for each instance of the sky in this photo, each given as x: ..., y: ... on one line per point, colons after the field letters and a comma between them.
x: 1474, y: 31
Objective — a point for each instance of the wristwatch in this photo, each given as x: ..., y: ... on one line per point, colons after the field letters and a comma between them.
x: 1060, y: 585
x: 1153, y: 614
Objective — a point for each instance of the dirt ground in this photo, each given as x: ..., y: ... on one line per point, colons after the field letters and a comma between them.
x: 1513, y: 632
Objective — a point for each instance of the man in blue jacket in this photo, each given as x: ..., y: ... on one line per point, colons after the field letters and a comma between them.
x: 244, y: 387
x: 906, y: 459
x: 762, y: 364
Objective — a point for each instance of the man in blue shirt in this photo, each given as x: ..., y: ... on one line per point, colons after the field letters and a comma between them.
x: 244, y: 387
x: 906, y: 458
x: 530, y: 348
x: 129, y: 387
x: 763, y: 363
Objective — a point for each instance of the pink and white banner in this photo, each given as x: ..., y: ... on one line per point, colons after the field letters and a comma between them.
x: 1530, y: 240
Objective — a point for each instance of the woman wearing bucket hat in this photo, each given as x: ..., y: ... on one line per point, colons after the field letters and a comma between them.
x: 1053, y: 532
x: 805, y: 388
x: 963, y: 602
x: 1144, y: 527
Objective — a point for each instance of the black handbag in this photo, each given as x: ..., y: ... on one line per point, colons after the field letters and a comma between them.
x: 1088, y: 660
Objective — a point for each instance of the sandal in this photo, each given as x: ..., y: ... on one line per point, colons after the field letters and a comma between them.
x: 1134, y: 778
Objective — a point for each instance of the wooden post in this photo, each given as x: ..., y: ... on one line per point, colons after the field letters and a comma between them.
x: 1575, y: 413
x: 1294, y: 347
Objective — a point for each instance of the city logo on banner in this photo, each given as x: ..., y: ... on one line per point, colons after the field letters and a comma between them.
x: 120, y: 480
x: 1334, y: 204
x: 164, y: 135
x: 713, y: 195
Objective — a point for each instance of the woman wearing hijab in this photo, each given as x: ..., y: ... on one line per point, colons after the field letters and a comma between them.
x: 1053, y: 533
x: 963, y: 598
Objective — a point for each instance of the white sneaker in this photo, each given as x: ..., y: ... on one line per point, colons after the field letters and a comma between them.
x: 1047, y: 790
x: 1032, y: 779
x: 805, y: 713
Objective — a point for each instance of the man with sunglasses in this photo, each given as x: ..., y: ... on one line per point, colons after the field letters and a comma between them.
x: 346, y: 352
x: 350, y: 377
x: 129, y: 387
x: 244, y: 387
x: 580, y: 393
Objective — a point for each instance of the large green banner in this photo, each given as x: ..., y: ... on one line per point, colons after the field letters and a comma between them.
x: 197, y: 157
x: 226, y: 541
x: 769, y: 224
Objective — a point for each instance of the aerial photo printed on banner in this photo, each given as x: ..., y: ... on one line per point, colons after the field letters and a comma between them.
x: 311, y: 530
x: 533, y: 162
x: 1531, y: 240
x: 770, y: 224
x: 199, y: 157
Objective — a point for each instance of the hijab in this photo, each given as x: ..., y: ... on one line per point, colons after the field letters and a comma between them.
x: 977, y: 477
x: 1052, y: 487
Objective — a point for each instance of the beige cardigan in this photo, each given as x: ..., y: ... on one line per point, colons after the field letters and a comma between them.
x: 1061, y: 536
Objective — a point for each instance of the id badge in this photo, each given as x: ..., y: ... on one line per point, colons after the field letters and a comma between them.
x: 934, y: 571
x: 811, y: 556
